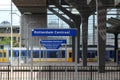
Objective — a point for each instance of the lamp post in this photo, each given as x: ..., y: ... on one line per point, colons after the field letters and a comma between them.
x: 11, y: 43
x: 25, y: 13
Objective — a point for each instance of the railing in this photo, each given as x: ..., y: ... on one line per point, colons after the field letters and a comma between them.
x: 58, y: 73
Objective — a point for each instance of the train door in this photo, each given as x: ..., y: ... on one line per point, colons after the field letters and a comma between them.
x: 36, y: 56
x: 3, y: 56
x: 70, y: 56
x: 24, y: 56
x: 43, y: 55
x: 63, y: 55
x: 92, y: 56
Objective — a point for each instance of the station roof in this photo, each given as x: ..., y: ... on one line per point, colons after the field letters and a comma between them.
x: 40, y: 6
x: 33, y: 6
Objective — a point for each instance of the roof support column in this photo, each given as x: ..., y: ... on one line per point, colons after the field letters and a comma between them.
x: 116, y: 47
x: 78, y: 43
x: 84, y: 38
x: 73, y: 49
x: 101, y: 19
x: 77, y: 46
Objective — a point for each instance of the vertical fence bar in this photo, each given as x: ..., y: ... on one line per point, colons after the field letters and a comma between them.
x: 57, y: 73
x: 49, y: 72
x: 118, y: 69
x: 91, y: 72
x: 8, y: 72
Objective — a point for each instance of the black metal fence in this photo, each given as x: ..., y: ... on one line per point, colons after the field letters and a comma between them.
x: 58, y: 73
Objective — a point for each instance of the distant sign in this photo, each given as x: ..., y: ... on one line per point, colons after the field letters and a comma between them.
x: 54, y: 32
x: 52, y: 44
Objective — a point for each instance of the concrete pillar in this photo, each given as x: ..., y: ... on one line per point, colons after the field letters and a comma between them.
x: 101, y: 19
x: 116, y: 47
x: 74, y: 46
x: 78, y: 43
x: 84, y: 39
x: 32, y: 21
x: 73, y: 49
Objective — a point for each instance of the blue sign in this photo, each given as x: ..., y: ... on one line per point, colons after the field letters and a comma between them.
x: 54, y: 32
x: 52, y: 44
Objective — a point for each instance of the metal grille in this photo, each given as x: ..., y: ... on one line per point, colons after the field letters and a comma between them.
x: 58, y: 73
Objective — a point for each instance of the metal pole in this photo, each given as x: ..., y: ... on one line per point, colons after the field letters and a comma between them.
x: 27, y: 42
x: 20, y: 42
x: 11, y: 35
x: 66, y: 59
x: 93, y: 29
x: 76, y: 75
x: 31, y: 57
x: 11, y: 41
x: 40, y: 53
x: 66, y: 52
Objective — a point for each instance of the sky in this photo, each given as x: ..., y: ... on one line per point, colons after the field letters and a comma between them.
x: 5, y: 2
x: 5, y: 12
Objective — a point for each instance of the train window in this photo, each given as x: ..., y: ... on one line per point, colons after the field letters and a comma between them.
x: 29, y: 54
x: 111, y: 54
x: 24, y: 53
x: 95, y: 53
x: 46, y: 54
x: 0, y: 54
x: 41, y: 55
x: 16, y: 53
x: 88, y: 55
x: 91, y: 54
x: 80, y: 55
x: 35, y: 54
x: 63, y: 54
x: 1, y: 46
x: 52, y: 54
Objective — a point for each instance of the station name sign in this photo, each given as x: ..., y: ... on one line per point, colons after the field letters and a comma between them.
x: 52, y: 44
x: 54, y: 32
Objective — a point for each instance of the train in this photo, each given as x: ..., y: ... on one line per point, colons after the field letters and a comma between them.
x: 60, y: 55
